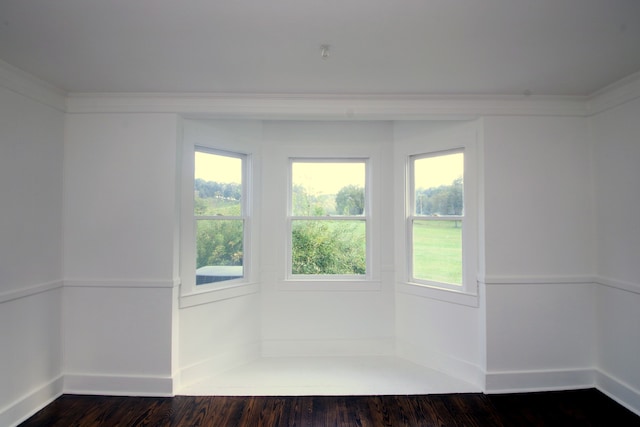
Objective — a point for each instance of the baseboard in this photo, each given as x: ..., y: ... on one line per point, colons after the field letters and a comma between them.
x: 118, y: 385
x: 231, y: 358
x: 26, y: 406
x: 622, y: 393
x: 542, y: 380
x: 327, y: 348
x: 445, y: 363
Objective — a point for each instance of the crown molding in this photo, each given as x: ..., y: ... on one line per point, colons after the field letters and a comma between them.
x: 326, y: 107
x: 320, y: 106
x: 25, y: 84
x: 618, y: 93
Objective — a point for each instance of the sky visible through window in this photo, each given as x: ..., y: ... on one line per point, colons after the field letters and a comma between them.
x: 218, y: 168
x: 435, y: 171
x: 330, y: 177
x: 320, y: 178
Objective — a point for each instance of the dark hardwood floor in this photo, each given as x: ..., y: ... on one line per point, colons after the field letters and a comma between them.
x: 566, y: 408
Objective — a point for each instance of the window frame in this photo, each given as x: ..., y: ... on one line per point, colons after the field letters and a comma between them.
x: 422, y: 138
x: 244, y: 217
x: 412, y: 217
x: 366, y: 218
x: 214, y: 137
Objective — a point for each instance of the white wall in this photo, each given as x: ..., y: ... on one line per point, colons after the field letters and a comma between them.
x: 220, y: 330
x: 325, y: 318
x: 31, y: 163
x: 218, y: 336
x: 539, y: 253
x: 616, y: 159
x: 120, y: 243
x: 435, y: 329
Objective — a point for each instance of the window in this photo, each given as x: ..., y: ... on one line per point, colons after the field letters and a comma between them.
x: 436, y: 219
x: 218, y: 246
x: 220, y: 215
x: 328, y: 219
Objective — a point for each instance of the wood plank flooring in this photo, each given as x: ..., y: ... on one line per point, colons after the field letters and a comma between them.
x: 567, y: 408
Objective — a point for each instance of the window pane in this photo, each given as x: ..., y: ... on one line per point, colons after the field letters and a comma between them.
x: 327, y: 188
x: 328, y: 247
x: 438, y: 185
x: 219, y: 245
x: 437, y: 251
x: 218, y: 184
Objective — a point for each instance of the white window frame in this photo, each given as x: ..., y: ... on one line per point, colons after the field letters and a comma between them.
x: 412, y: 218
x: 205, y: 139
x: 366, y: 218
x: 244, y: 217
x: 423, y: 139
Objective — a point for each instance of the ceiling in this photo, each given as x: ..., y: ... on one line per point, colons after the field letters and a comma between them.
x: 395, y: 47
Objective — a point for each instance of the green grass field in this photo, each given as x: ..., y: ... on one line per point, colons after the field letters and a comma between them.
x: 437, y: 251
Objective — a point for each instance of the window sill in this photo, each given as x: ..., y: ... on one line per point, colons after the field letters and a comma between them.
x: 218, y: 294
x: 440, y: 294
x: 315, y: 285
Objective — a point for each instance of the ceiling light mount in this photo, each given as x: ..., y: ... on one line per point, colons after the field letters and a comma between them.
x: 324, y: 51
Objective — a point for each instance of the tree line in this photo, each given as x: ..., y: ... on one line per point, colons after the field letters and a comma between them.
x: 218, y: 190
x: 442, y: 200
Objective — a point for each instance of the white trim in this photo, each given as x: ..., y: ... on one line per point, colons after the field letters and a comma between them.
x: 118, y: 385
x: 616, y: 389
x: 618, y: 284
x: 412, y: 218
x: 327, y: 107
x: 232, y: 357
x: 319, y: 106
x: 539, y: 380
x: 29, y: 291
x: 536, y: 280
x: 31, y: 87
x: 432, y: 358
x: 438, y: 293
x: 24, y: 407
x: 121, y: 283
x: 245, y: 218
x: 365, y: 217
x: 618, y: 93
x: 325, y: 284
x: 219, y: 294
x: 576, y: 279
x: 328, y: 348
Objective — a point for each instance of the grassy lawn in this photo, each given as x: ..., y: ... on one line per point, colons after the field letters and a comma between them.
x: 213, y: 206
x: 438, y: 251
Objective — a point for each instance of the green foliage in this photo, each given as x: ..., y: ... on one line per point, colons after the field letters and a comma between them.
x: 350, y: 200
x: 319, y: 247
x: 219, y: 242
x: 328, y: 247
